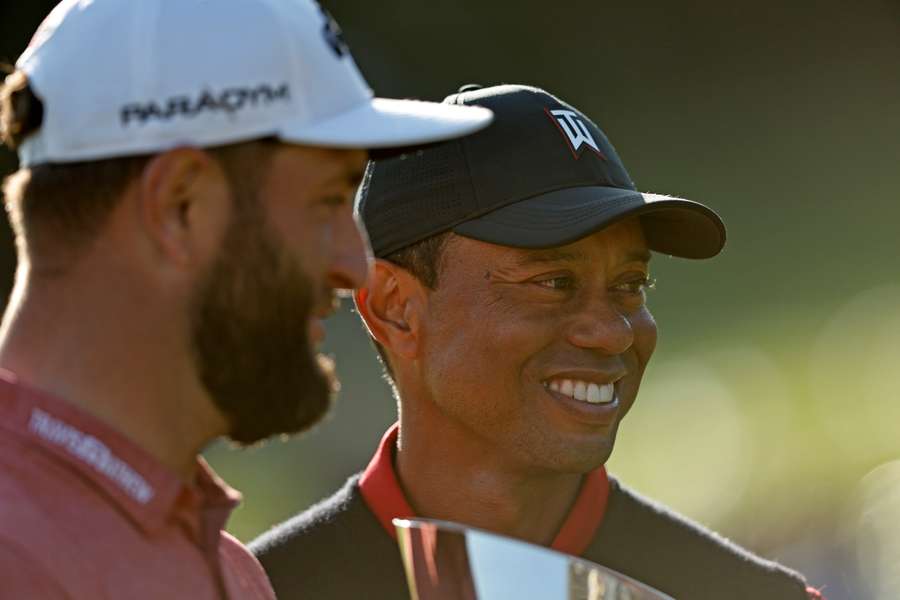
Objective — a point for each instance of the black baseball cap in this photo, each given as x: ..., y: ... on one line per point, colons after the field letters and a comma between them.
x: 541, y: 175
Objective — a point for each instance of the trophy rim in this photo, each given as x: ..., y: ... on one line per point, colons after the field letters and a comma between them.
x: 412, y: 522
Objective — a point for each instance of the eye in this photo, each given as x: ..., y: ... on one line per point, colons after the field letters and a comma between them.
x: 561, y: 282
x: 636, y: 285
x: 335, y: 200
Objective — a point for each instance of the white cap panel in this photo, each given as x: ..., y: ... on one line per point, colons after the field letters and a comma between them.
x: 122, y: 77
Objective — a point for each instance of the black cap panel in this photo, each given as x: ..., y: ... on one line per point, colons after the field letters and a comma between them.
x: 407, y: 198
x: 542, y: 174
x: 682, y: 228
x: 552, y: 219
x: 536, y: 144
x: 565, y: 216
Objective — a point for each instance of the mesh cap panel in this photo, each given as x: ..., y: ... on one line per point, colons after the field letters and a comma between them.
x: 422, y: 186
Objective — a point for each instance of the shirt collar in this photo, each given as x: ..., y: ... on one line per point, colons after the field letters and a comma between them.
x: 383, y: 494
x: 129, y: 477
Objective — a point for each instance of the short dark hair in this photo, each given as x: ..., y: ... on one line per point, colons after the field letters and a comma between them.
x: 63, y: 202
x: 424, y: 261
x: 66, y: 204
x: 21, y: 112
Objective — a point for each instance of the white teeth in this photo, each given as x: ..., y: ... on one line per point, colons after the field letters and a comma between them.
x: 580, y: 391
x: 583, y: 391
x: 607, y: 393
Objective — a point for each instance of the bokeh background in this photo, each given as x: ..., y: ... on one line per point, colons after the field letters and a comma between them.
x: 771, y: 410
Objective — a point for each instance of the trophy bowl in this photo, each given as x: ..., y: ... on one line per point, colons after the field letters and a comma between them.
x: 449, y: 561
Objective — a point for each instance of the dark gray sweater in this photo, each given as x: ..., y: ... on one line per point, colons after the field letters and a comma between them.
x: 337, y: 549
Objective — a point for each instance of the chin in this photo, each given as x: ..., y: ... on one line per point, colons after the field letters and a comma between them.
x: 585, y: 462
x: 574, y: 456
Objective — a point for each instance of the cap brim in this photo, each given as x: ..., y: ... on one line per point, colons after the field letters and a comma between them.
x: 386, y: 123
x: 671, y: 225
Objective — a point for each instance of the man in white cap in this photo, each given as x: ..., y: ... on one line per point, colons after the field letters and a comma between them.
x: 183, y: 216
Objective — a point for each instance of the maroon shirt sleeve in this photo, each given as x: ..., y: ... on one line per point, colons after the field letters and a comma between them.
x: 22, y: 577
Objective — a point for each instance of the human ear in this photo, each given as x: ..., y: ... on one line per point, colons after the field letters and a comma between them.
x: 183, y: 205
x: 391, y: 307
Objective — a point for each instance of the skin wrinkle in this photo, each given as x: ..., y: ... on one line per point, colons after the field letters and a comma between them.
x: 550, y: 255
x: 498, y: 300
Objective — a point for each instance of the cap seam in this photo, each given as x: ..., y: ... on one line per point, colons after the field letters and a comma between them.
x: 616, y: 204
x: 297, y: 103
x: 145, y: 21
x: 541, y: 193
x: 476, y: 197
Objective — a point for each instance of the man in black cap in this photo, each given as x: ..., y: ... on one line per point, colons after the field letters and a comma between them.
x: 508, y: 304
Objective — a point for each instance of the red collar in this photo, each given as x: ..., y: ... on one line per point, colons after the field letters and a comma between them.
x: 382, y: 492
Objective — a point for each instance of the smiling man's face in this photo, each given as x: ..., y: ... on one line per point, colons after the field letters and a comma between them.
x: 540, y: 353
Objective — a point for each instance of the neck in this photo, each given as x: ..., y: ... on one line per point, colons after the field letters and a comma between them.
x: 474, y: 486
x: 127, y: 367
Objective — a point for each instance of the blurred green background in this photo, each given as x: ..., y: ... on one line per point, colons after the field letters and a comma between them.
x: 774, y: 395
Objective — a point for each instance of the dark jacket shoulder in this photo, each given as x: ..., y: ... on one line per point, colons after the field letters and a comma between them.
x: 649, y: 542
x: 335, y: 549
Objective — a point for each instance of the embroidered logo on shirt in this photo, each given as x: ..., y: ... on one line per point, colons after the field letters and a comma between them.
x: 92, y: 451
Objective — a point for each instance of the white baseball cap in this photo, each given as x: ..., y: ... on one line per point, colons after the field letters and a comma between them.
x: 128, y: 77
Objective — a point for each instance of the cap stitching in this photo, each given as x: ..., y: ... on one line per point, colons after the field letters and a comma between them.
x: 541, y: 193
x: 616, y: 204
x: 465, y: 152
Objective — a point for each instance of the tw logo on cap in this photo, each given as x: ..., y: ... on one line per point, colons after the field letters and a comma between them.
x: 574, y: 130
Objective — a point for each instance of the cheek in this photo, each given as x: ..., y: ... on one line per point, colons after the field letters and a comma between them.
x: 306, y: 235
x: 644, y: 327
x: 645, y: 334
x: 476, y: 340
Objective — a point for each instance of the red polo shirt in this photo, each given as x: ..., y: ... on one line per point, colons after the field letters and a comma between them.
x: 84, y: 513
x: 382, y: 492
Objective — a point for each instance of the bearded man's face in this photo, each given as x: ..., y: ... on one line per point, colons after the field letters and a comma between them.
x: 291, y: 243
x: 252, y: 343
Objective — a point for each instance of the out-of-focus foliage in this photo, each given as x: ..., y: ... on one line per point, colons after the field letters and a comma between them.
x: 776, y: 384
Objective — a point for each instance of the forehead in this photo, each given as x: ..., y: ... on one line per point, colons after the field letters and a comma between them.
x: 620, y: 242
x: 320, y: 165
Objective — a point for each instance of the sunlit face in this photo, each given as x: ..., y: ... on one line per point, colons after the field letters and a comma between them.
x: 511, y: 335
x: 290, y: 245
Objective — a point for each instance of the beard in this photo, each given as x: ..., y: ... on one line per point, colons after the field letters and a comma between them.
x: 250, y: 336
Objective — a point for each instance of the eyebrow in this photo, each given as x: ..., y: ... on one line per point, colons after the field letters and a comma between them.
x: 556, y: 255
x: 355, y: 177
x: 550, y: 255
x: 351, y: 177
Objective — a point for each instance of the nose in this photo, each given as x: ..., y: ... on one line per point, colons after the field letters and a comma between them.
x: 601, y: 325
x: 352, y: 260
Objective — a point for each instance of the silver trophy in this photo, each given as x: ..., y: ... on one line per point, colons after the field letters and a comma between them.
x: 448, y: 561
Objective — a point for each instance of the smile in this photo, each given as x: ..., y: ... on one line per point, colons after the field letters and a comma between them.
x: 583, y: 391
